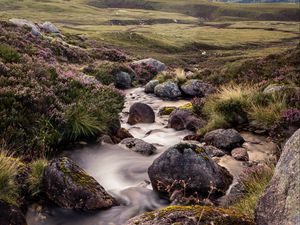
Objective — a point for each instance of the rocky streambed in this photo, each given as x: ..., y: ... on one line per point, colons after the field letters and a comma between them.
x: 124, y: 173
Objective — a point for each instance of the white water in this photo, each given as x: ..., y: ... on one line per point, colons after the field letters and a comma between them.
x: 124, y: 173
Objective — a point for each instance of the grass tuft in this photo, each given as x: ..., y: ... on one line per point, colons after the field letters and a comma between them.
x: 36, y: 175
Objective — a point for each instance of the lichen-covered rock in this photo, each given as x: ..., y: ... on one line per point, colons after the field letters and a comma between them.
x: 166, y: 110
x: 224, y: 139
x: 197, y: 88
x: 49, y: 27
x: 271, y: 89
x: 139, y: 146
x: 11, y: 215
x: 280, y: 202
x: 213, y: 151
x: 123, y: 80
x: 191, y: 215
x: 181, y: 119
x: 169, y: 90
x: 149, y: 87
x: 141, y: 113
x: 191, y: 165
x: 69, y: 186
x: 240, y: 154
x: 159, y: 66
x: 35, y: 30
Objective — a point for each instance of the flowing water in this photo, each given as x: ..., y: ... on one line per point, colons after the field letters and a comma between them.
x: 124, y: 173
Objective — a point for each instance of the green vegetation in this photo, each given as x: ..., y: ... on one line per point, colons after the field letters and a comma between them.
x: 8, y: 54
x: 8, y: 171
x: 254, y: 183
x: 36, y: 175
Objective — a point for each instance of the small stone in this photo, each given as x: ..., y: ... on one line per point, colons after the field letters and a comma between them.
x: 240, y: 154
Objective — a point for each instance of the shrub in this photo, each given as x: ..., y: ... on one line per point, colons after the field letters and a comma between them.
x: 36, y: 175
x: 8, y: 171
x: 198, y: 104
x: 254, y: 181
x: 291, y: 116
x: 8, y: 54
x: 143, y: 72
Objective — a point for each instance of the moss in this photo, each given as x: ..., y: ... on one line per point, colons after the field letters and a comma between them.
x: 188, y: 106
x: 167, y: 110
x: 199, y: 150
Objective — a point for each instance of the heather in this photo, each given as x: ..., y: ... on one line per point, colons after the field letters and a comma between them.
x: 45, y: 99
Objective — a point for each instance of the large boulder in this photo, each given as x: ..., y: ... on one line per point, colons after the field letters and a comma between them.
x: 191, y: 215
x: 159, y: 66
x: 35, y: 30
x: 280, y: 202
x: 149, y: 87
x: 181, y: 119
x: 141, y: 113
x: 168, y: 89
x: 123, y: 80
x: 49, y: 27
x: 139, y: 146
x: 11, y: 215
x: 225, y: 139
x: 197, y: 88
x: 191, y: 165
x: 69, y: 186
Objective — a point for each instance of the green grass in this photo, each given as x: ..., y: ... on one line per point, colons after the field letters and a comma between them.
x: 36, y: 175
x: 8, y: 171
x: 8, y: 54
x: 254, y: 182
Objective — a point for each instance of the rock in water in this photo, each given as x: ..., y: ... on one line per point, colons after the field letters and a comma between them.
x: 191, y: 215
x: 169, y: 90
x: 141, y: 113
x: 190, y: 164
x: 50, y: 27
x: 139, y: 146
x: 197, y: 88
x: 225, y: 139
x: 159, y: 66
x: 181, y: 119
x: 69, y: 186
x: 11, y: 215
x: 149, y: 87
x: 280, y: 202
x: 123, y: 80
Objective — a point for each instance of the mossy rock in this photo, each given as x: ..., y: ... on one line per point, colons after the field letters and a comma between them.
x: 166, y: 110
x: 191, y: 215
x: 69, y: 186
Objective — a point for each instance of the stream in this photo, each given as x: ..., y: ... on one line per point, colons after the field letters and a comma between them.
x: 123, y: 173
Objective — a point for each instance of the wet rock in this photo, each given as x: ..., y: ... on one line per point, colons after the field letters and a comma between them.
x: 191, y: 215
x: 69, y: 186
x: 121, y: 134
x: 149, y: 87
x: 159, y: 66
x: 280, y: 202
x: 191, y: 167
x: 139, y: 146
x: 106, y: 139
x: 123, y: 80
x: 141, y: 113
x: 224, y: 139
x: 240, y: 154
x: 197, y: 88
x: 11, y: 215
x: 49, y: 27
x: 26, y: 23
x: 181, y: 119
x: 213, y: 151
x: 169, y: 90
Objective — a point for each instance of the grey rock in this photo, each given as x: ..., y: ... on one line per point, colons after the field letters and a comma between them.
x: 159, y: 66
x: 213, y: 151
x: 149, y: 87
x: 280, y: 203
x: 123, y: 80
x: 274, y: 89
x: 188, y: 163
x: 139, y: 146
x: 26, y: 23
x: 49, y: 27
x: 11, y: 215
x: 141, y: 113
x: 240, y: 154
x: 224, y: 139
x: 69, y: 186
x: 181, y: 119
x: 197, y: 88
x: 169, y: 90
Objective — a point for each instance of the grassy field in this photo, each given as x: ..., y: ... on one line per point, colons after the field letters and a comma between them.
x: 169, y: 30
